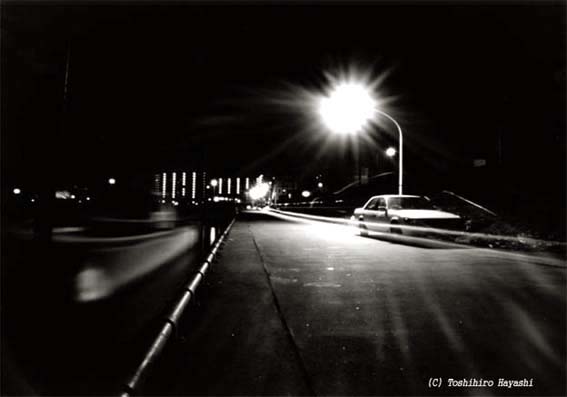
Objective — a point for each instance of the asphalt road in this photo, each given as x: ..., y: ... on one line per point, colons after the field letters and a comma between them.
x: 299, y: 308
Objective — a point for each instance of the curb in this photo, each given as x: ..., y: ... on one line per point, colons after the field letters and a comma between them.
x: 172, y: 319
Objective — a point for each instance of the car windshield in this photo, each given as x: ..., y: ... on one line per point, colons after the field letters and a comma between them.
x: 409, y: 203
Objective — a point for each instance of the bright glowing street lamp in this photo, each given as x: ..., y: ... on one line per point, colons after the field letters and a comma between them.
x: 214, y: 184
x: 391, y: 152
x: 350, y: 108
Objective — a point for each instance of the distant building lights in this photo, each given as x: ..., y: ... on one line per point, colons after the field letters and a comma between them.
x: 237, y: 185
x: 214, y: 183
x: 228, y: 185
x: 183, y: 184
x: 16, y: 191
x: 163, y: 184
x: 193, y: 185
x: 306, y: 193
x: 247, y: 183
x: 220, y: 185
x: 173, y: 184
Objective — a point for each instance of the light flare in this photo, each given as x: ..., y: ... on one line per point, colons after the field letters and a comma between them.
x: 349, y: 108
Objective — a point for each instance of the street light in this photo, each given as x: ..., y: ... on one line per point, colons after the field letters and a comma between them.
x: 391, y: 152
x: 214, y: 184
x: 350, y: 108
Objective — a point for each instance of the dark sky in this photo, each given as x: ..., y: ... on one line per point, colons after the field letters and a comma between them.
x: 182, y: 85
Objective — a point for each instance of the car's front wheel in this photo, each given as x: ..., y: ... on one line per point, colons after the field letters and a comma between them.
x: 394, y: 229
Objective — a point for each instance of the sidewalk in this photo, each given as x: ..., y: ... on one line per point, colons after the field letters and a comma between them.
x: 233, y: 341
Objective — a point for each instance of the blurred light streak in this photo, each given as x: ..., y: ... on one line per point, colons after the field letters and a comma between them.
x: 237, y: 185
x: 220, y: 185
x: 91, y: 284
x: 335, y: 231
x: 114, y: 262
x: 173, y: 184
x: 408, y: 230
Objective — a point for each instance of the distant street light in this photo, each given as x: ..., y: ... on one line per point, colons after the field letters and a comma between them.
x: 214, y: 184
x: 16, y: 191
x: 350, y: 108
x: 259, y: 191
x: 391, y: 152
x: 320, y: 185
x: 111, y: 181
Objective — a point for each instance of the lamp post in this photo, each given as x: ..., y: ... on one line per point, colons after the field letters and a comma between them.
x: 350, y: 108
x: 400, y: 148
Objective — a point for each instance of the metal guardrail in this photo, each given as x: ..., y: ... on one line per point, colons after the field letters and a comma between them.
x: 172, y: 319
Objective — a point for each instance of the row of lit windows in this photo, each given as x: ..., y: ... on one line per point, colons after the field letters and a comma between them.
x: 225, y: 185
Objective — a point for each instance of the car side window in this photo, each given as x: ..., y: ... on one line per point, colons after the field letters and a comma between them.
x: 381, y: 202
x: 372, y: 204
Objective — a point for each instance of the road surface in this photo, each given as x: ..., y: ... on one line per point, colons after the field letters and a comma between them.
x: 300, y: 308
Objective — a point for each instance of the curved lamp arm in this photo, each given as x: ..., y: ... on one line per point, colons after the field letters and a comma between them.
x: 401, y: 146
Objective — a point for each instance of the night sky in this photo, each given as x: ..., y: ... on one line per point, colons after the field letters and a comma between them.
x: 183, y: 85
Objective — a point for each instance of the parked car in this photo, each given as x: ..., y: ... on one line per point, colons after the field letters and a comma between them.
x: 397, y: 210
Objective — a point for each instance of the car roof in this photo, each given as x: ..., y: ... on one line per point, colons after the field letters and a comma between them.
x: 395, y: 195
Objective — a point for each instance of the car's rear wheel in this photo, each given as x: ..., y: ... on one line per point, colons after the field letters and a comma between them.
x: 362, y: 229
